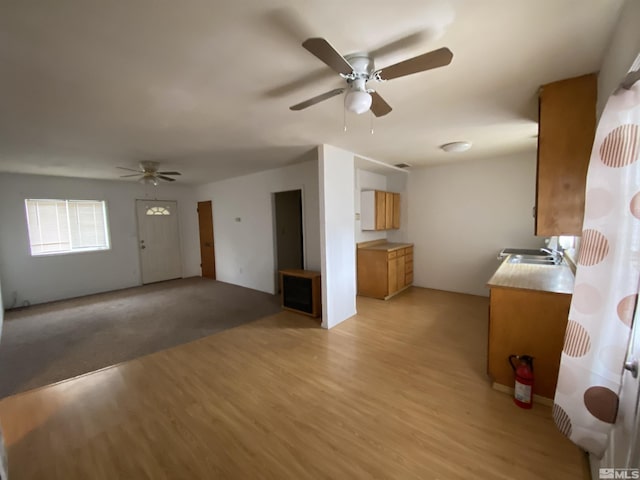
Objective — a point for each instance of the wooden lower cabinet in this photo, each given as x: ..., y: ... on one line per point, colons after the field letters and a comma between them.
x: 300, y: 292
x: 384, y: 272
x: 527, y: 322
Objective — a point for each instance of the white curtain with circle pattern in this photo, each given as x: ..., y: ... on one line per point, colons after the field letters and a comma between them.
x: 607, y: 279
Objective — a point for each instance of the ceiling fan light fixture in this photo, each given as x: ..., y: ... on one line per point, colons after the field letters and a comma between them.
x: 357, y: 101
x: 456, y: 147
x: 149, y: 180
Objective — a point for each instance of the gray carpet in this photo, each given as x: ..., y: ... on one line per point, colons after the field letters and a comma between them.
x: 47, y: 343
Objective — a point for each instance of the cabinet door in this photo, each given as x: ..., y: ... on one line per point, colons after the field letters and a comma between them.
x: 388, y: 211
x: 392, y: 271
x: 368, y: 210
x: 527, y: 322
x: 408, y: 266
x: 381, y: 201
x: 402, y: 281
x: 372, y: 273
x: 396, y: 211
x: 566, y: 133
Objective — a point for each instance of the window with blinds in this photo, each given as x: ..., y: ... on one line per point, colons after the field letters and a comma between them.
x: 66, y: 226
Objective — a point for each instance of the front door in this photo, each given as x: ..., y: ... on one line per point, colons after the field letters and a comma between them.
x: 158, y: 240
x: 207, y: 253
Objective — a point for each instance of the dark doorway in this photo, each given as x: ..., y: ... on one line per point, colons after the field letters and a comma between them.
x: 288, y: 230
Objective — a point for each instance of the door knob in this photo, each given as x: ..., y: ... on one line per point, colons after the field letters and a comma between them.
x: 142, y: 247
x: 632, y: 366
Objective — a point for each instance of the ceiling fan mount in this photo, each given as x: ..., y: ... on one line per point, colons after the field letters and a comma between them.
x: 149, y: 174
x: 362, y: 64
x: 358, y: 69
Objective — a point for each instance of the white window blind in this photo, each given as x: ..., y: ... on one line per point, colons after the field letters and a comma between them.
x: 65, y: 226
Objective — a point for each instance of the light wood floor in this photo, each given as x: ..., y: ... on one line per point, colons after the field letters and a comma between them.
x: 399, y: 391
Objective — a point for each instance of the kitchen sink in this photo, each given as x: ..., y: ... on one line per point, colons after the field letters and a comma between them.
x: 534, y: 259
x: 523, y: 251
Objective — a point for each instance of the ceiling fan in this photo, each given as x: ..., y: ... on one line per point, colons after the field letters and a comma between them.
x: 358, y: 69
x: 149, y: 173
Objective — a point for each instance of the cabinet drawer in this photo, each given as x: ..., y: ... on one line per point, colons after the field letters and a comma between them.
x: 393, y: 254
x: 408, y: 251
x: 408, y: 278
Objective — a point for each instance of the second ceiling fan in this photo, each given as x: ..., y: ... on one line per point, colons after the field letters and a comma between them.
x: 149, y: 174
x: 358, y: 69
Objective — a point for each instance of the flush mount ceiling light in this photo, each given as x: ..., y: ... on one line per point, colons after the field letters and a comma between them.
x: 456, y: 147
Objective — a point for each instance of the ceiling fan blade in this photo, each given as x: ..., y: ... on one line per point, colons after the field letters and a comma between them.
x: 132, y: 175
x: 378, y: 105
x: 130, y: 169
x: 168, y: 179
x: 169, y: 173
x: 318, y: 99
x: 329, y: 55
x: 427, y: 61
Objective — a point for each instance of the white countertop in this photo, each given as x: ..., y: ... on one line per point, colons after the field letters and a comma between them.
x: 546, y: 278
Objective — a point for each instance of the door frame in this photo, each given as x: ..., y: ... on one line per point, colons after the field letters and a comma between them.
x: 180, y: 240
x: 276, y: 276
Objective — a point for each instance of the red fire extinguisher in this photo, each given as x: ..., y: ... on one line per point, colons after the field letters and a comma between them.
x: 523, y: 395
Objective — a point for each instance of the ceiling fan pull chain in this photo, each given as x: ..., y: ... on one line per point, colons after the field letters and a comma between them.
x: 344, y: 118
x: 371, y: 117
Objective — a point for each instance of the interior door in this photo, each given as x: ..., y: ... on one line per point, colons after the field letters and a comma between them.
x: 207, y: 251
x: 159, y: 240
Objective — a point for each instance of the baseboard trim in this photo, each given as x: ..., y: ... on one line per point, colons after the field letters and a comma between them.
x: 536, y: 398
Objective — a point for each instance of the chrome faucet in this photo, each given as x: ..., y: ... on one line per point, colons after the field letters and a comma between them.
x: 557, y: 255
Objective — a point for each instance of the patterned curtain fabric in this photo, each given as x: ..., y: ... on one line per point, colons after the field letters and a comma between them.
x: 607, y: 279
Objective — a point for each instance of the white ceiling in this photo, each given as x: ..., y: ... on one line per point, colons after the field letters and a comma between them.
x: 204, y: 86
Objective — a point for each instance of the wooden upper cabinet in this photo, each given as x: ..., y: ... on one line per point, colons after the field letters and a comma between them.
x: 379, y: 210
x: 396, y: 211
x: 388, y: 211
x: 567, y: 129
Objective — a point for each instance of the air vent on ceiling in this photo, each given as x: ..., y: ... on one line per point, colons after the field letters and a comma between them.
x: 402, y: 165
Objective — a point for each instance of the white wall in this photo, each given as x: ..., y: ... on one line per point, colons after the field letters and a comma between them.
x: 461, y: 215
x: 365, y: 180
x: 42, y: 279
x: 623, y: 48
x: 337, y: 207
x: 622, y: 51
x: 398, y: 182
x: 245, y: 248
